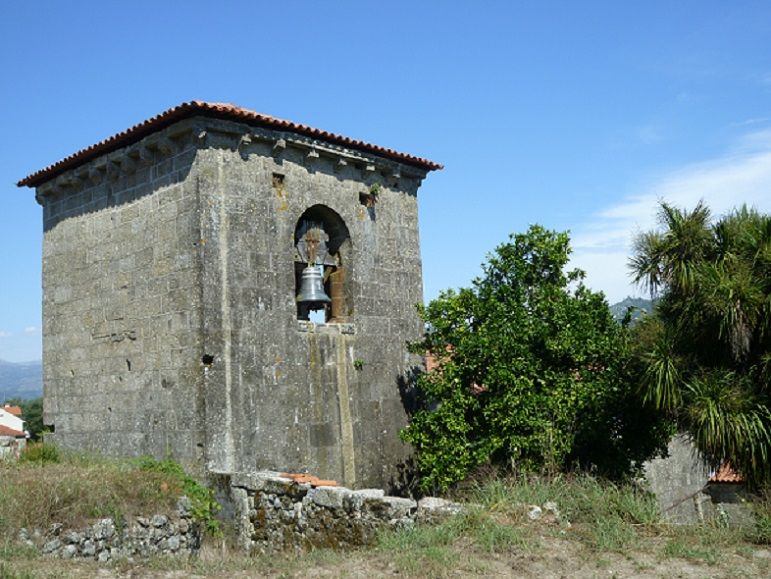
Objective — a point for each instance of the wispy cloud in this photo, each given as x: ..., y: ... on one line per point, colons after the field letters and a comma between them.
x: 4, y: 334
x: 742, y: 175
x: 649, y: 134
x: 765, y: 79
x: 30, y: 330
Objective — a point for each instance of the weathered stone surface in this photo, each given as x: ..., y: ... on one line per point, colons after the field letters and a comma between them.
x: 71, y: 538
x: 330, y: 497
x: 104, y: 529
x: 169, y: 305
x: 52, y: 546
x: 534, y: 512
x: 432, y: 508
x: 159, y: 520
x: 89, y: 549
x: 320, y: 517
x: 104, y: 541
x: 681, y: 485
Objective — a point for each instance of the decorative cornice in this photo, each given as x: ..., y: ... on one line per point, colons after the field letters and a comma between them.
x: 221, y: 111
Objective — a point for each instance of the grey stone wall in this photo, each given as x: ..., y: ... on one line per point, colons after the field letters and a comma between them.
x: 285, y: 394
x: 274, y: 513
x: 170, y: 322
x: 109, y: 539
x: 121, y: 304
x: 680, y: 483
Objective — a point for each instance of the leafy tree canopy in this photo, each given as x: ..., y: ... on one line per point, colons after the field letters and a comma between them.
x: 533, y: 373
x: 707, y: 351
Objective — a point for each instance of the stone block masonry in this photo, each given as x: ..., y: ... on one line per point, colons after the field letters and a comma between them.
x: 172, y: 256
x: 274, y: 512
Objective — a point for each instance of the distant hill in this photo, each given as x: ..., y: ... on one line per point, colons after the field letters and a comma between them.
x: 21, y: 380
x: 641, y: 306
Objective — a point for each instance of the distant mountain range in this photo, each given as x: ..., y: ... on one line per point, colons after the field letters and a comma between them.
x: 21, y: 380
x: 641, y: 306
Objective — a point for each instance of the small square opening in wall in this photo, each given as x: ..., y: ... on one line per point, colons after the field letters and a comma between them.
x: 277, y: 180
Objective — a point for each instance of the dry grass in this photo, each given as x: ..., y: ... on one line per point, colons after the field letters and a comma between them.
x: 79, y: 489
x: 613, y: 531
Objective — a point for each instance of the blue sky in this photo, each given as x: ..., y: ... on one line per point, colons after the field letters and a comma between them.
x: 576, y: 115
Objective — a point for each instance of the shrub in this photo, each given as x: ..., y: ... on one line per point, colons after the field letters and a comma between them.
x: 534, y: 373
x: 40, y: 453
x: 203, y: 505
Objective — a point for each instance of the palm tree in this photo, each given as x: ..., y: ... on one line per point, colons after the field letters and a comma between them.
x: 710, y: 362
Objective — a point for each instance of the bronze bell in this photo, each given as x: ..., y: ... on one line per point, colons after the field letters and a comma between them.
x: 312, y: 294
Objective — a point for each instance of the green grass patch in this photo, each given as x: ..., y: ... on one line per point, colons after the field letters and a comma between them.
x: 49, y: 486
x: 607, y: 516
x: 434, y: 550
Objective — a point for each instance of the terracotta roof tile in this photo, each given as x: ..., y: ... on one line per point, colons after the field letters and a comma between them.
x: 313, y: 480
x: 726, y: 474
x: 217, y: 110
x: 15, y: 410
x: 8, y: 431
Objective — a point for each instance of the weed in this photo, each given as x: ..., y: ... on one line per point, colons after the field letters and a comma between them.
x: 10, y: 549
x: 40, y: 453
x: 760, y: 533
x: 77, y: 489
x: 611, y: 516
x: 611, y: 534
x: 679, y: 548
x: 204, y: 506
x: 7, y: 573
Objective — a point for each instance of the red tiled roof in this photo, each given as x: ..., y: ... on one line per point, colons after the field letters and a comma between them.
x: 217, y: 110
x: 313, y: 480
x: 726, y: 474
x: 15, y: 410
x: 8, y: 431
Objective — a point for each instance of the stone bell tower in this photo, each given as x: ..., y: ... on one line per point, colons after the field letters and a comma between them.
x: 232, y: 290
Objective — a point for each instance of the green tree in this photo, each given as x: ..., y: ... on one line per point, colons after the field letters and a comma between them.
x: 533, y: 373
x: 707, y: 361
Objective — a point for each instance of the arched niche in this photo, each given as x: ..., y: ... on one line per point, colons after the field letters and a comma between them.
x: 321, y: 239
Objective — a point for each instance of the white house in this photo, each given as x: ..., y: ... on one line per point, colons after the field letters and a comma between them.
x: 13, y: 437
x: 10, y: 416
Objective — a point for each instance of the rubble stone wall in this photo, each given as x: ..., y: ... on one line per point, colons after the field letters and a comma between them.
x: 111, y: 538
x: 275, y: 513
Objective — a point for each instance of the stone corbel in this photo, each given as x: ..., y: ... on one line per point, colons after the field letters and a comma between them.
x: 396, y: 175
x: 244, y: 141
x: 311, y: 157
x: 243, y: 145
x: 340, y: 165
x: 278, y: 150
x: 146, y: 156
x: 82, y: 174
x: 368, y: 171
x: 112, y: 170
x: 97, y: 171
x: 166, y: 146
x: 128, y: 164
